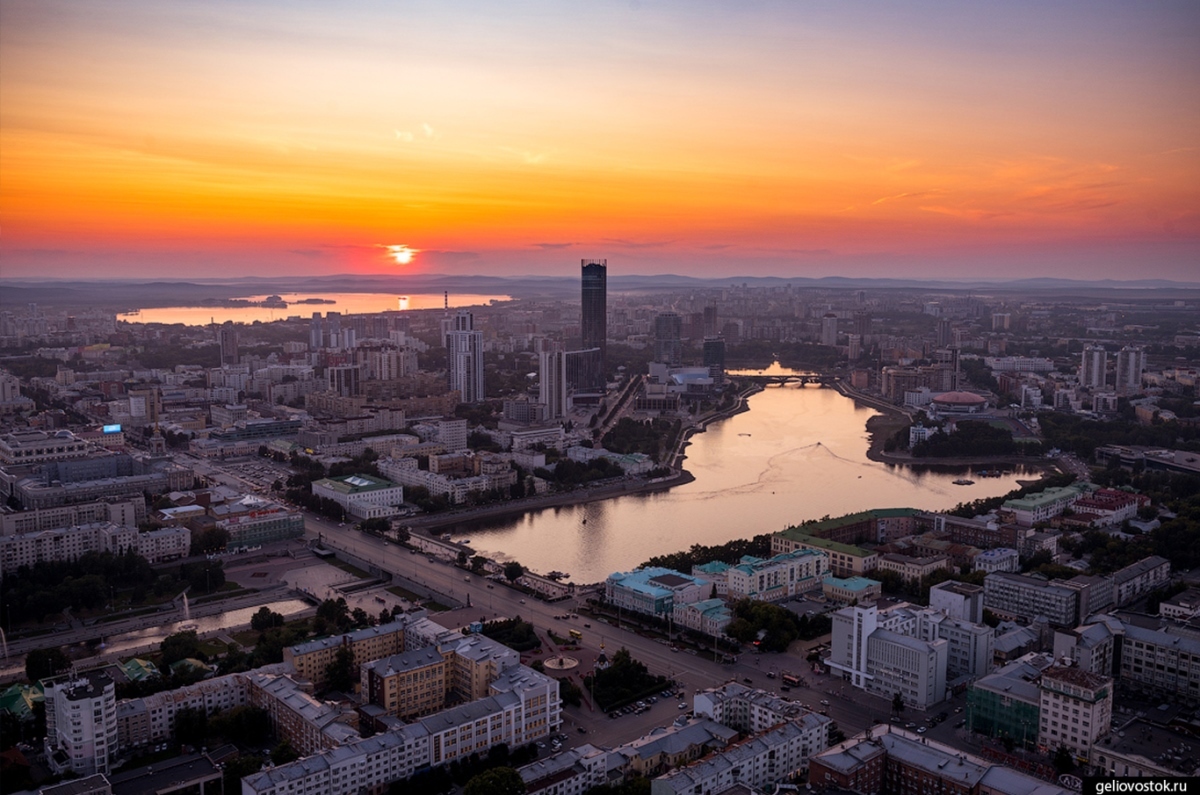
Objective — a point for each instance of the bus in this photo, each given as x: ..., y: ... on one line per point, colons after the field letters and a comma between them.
x: 792, y: 680
x: 576, y: 634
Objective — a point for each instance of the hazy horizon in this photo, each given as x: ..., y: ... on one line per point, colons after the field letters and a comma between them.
x: 922, y: 140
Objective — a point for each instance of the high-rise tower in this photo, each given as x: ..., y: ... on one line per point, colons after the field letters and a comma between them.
x: 465, y: 347
x: 594, y: 320
x: 1093, y: 370
x: 227, y: 338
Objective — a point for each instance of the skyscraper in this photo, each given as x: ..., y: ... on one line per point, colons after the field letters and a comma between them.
x: 594, y: 318
x: 1131, y: 363
x: 1093, y: 370
x: 552, y: 384
x: 668, y: 333
x: 465, y: 348
x: 227, y: 338
x: 829, y: 329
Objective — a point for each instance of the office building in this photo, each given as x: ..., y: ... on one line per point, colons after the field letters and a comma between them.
x: 594, y: 312
x: 708, y: 616
x: 781, y: 577
x: 714, y: 358
x: 668, y: 342
x: 958, y: 600
x: 552, y: 384
x: 868, y: 650
x: 1020, y: 597
x: 343, y: 380
x: 751, y: 711
x: 1007, y: 703
x: 227, y: 339
x: 464, y: 346
x: 309, y: 660
x: 654, y: 591
x: 1138, y: 579
x: 1075, y: 709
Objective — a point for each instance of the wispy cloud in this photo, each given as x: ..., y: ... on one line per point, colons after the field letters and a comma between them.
x: 404, y: 135
x: 552, y: 246
x: 910, y: 195
x: 428, y: 130
x: 529, y: 158
x: 616, y: 241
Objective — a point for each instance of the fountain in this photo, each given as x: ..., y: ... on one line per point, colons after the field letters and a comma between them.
x: 187, y: 624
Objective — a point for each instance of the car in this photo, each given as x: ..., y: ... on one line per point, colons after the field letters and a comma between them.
x: 784, y: 689
x: 581, y: 730
x: 490, y: 588
x: 770, y: 674
x: 614, y: 715
x: 961, y: 722
x: 824, y: 702
x: 748, y: 680
x: 957, y: 710
x: 922, y: 730
x: 465, y: 579
x: 522, y: 601
x: 641, y: 703
x: 910, y: 725
x: 682, y: 705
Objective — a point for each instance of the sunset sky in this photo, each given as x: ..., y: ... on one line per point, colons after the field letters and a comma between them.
x: 188, y: 139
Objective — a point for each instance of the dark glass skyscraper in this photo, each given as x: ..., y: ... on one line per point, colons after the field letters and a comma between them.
x: 594, y: 321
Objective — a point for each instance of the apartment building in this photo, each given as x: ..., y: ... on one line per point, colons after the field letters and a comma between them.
x: 570, y: 772
x: 408, y: 684
x: 309, y: 660
x: 960, y: 600
x: 750, y: 710
x: 525, y: 707
x: 129, y: 513
x: 775, y: 755
x: 913, y: 569
x: 1160, y: 662
x: 1075, y: 709
x: 780, y: 577
x: 151, y: 719
x: 81, y: 723
x: 1042, y: 506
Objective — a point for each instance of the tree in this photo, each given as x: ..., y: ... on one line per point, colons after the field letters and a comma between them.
x: 497, y: 781
x: 264, y: 619
x: 191, y: 726
x: 336, y: 612
x: 340, y: 672
x: 284, y: 753
x: 513, y: 571
x: 210, y: 539
x: 1063, y: 761
x: 179, y: 646
x: 897, y: 703
x: 41, y: 663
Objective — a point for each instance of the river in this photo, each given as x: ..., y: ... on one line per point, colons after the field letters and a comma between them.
x: 346, y: 303
x: 799, y: 453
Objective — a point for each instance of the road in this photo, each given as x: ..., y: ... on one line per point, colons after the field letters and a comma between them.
x: 852, y: 710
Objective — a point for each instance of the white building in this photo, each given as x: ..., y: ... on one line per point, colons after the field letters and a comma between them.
x: 708, y: 616
x: 1093, y: 367
x: 552, y: 384
x: 870, y: 652
x: 1138, y: 579
x: 958, y: 600
x: 81, y: 723
x: 361, y: 495
x: 465, y: 348
x: 780, y: 577
x: 750, y: 711
x: 1076, y: 709
x: 779, y: 754
x: 1131, y: 363
x: 653, y: 591
x: 999, y: 559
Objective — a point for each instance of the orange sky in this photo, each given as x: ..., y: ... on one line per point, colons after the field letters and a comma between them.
x: 209, y: 139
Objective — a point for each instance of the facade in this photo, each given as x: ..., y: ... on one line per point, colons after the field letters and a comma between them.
x: 1008, y: 703
x: 780, y: 577
x: 310, y: 659
x: 307, y: 724
x: 1093, y: 370
x: 751, y: 711
x: 409, y: 684
x: 851, y: 590
x: 889, y: 759
x: 1076, y: 709
x: 776, y: 755
x: 594, y: 313
x: 998, y: 559
x: 464, y: 346
x: 1138, y: 579
x: 668, y: 339
x: 654, y: 591
x: 958, y: 600
x: 361, y: 495
x: 913, y: 569
x: 1142, y: 749
x: 573, y: 771
x: 1159, y: 662
x: 70, y: 543
x: 552, y: 384
x: 1131, y: 363
x: 845, y: 560
x: 33, y: 447
x: 1018, y: 596
x: 708, y: 616
x: 868, y: 650
x: 227, y: 340
x: 265, y: 526
x: 1042, y: 506
x: 81, y: 723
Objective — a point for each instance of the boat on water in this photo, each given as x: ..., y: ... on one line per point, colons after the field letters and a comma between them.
x: 743, y: 434
x: 963, y: 482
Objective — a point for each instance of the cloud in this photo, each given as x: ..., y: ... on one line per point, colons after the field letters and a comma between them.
x: 911, y: 195
x: 425, y: 128
x: 717, y: 247
x: 404, y: 135
x: 638, y: 243
x: 306, y: 252
x: 552, y: 246
x: 969, y: 214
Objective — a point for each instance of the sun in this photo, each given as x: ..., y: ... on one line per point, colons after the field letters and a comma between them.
x: 402, y: 254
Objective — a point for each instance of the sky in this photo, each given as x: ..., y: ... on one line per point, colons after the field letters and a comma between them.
x: 802, y: 138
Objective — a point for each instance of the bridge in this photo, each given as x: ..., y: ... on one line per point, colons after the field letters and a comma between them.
x: 809, y: 378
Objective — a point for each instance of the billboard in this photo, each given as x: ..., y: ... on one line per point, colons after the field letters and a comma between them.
x: 111, y: 429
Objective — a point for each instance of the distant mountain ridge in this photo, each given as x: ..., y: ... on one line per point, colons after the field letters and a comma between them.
x: 133, y: 293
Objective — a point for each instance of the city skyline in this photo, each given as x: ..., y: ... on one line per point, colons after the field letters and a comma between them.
x: 924, y: 140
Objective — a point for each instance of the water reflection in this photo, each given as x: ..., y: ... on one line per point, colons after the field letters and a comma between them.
x: 799, y: 453
x: 346, y: 303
